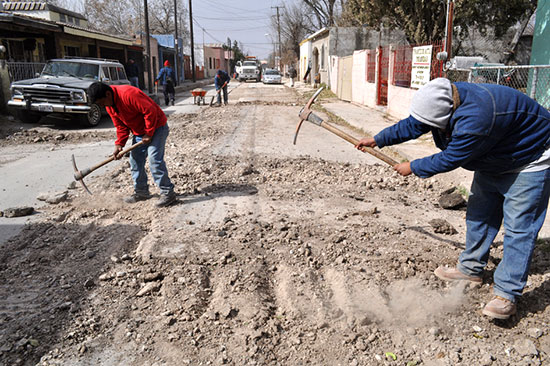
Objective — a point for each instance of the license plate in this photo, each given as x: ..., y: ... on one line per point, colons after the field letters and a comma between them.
x: 45, y: 108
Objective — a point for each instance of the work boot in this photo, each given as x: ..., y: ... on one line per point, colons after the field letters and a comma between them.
x: 499, y: 308
x: 453, y: 274
x: 166, y: 199
x: 173, y: 102
x: 136, y: 197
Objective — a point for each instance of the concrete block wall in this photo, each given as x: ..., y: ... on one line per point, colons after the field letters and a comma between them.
x: 365, y: 93
x: 359, y: 76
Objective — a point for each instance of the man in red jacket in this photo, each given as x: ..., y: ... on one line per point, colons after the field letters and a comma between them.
x: 133, y: 111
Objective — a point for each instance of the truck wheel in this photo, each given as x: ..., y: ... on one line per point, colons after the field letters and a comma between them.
x: 92, y: 118
x: 27, y: 116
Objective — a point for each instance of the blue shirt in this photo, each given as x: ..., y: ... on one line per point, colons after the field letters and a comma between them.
x: 495, y: 129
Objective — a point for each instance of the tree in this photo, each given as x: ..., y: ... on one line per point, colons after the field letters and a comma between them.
x: 424, y: 20
x: 325, y: 11
x: 126, y: 17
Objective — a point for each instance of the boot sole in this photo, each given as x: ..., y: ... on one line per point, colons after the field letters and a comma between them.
x: 441, y: 274
x: 491, y: 314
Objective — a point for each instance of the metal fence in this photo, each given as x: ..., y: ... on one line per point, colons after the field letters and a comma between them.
x: 531, y: 80
x: 402, y: 67
x: 24, y: 70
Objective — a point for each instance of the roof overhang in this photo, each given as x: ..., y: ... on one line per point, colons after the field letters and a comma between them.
x: 98, y: 36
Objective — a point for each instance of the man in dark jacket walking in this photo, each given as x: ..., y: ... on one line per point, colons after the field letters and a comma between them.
x: 133, y: 73
x: 503, y: 136
x: 167, y: 78
x: 220, y: 82
x: 133, y: 111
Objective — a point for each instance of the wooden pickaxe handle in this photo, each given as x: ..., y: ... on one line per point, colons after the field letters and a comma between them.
x: 307, y: 115
x: 80, y: 174
x: 217, y: 92
x: 327, y: 126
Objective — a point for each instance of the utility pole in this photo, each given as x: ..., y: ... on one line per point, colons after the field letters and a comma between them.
x: 192, y: 42
x: 449, y: 28
x: 177, y: 59
x: 279, y: 31
x: 147, y: 35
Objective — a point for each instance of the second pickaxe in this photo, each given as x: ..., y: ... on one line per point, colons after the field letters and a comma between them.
x: 80, y: 174
x: 306, y: 114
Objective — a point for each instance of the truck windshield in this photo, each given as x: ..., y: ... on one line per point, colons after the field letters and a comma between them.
x: 249, y: 63
x: 74, y: 69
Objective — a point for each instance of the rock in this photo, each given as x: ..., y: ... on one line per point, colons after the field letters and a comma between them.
x: 148, y: 289
x: 53, y: 198
x: 106, y: 277
x: 486, y: 359
x: 544, y: 343
x: 115, y: 259
x: 526, y: 347
x: 442, y: 226
x: 534, y: 332
x: 451, y: 201
x: 72, y: 185
x: 18, y: 211
x: 153, y: 276
x: 59, y: 137
x: 1, y: 213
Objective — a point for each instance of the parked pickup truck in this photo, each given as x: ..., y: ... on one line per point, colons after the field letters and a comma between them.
x: 61, y: 89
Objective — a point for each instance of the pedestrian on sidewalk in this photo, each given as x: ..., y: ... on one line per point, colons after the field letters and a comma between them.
x: 167, y: 78
x: 132, y: 72
x: 133, y: 111
x: 504, y: 136
x: 220, y: 82
x: 307, y: 71
x: 292, y: 73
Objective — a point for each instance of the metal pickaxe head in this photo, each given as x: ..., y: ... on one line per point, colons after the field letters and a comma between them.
x: 79, y: 176
x: 306, y: 111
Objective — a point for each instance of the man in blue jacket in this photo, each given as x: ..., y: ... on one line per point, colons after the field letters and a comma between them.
x: 167, y: 78
x: 504, y: 137
x: 220, y: 82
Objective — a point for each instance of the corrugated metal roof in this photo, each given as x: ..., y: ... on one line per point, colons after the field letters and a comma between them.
x: 38, y: 6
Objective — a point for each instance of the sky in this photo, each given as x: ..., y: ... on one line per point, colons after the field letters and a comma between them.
x: 247, y: 21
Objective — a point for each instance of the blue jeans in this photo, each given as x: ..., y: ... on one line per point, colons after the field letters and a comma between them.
x: 155, y: 151
x: 134, y: 81
x: 519, y: 200
x: 224, y: 91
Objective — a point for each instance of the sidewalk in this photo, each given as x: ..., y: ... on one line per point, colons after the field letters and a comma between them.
x: 371, y: 121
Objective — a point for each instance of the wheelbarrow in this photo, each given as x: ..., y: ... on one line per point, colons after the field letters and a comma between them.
x: 198, y: 96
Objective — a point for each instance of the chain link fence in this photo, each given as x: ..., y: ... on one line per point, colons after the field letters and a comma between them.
x: 531, y: 80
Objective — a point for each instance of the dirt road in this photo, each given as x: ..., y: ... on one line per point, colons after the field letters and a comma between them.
x: 275, y: 254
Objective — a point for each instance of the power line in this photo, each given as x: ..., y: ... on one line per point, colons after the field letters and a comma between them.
x: 232, y: 19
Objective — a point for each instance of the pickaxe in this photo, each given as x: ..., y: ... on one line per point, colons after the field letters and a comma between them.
x: 80, y: 174
x: 217, y: 92
x: 306, y: 114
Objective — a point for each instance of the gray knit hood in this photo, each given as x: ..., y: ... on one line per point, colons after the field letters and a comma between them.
x: 432, y: 104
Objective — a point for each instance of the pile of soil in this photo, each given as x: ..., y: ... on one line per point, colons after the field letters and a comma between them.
x: 264, y: 260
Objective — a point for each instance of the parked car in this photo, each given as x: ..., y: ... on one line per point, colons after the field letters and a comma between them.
x: 61, y: 89
x: 271, y: 76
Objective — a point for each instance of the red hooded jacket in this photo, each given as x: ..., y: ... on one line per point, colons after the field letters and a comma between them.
x: 133, y: 111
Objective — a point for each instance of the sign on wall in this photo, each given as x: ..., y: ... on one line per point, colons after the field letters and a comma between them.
x: 421, y: 66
